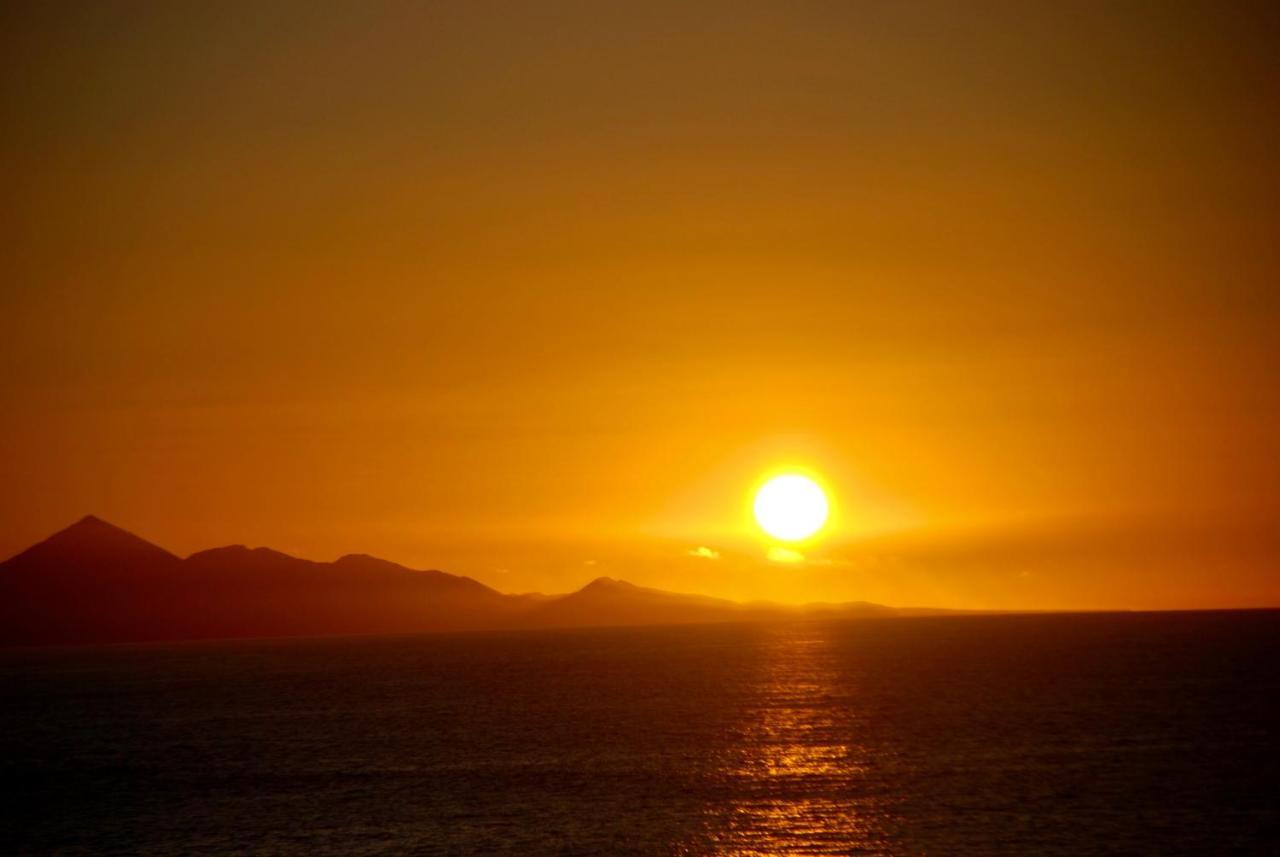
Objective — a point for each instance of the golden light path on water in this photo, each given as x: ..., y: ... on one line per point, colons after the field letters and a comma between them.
x: 795, y: 779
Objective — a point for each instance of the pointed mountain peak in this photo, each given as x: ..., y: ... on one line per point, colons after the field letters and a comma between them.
x: 92, y: 539
x: 92, y: 524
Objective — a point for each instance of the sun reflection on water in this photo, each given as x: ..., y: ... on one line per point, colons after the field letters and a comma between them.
x: 794, y: 780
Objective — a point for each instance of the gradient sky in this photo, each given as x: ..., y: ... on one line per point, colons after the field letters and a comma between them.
x: 536, y: 292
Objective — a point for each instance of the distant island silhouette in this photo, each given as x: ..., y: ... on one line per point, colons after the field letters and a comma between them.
x: 96, y: 583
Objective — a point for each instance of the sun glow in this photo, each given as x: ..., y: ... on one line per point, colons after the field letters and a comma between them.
x: 791, y: 507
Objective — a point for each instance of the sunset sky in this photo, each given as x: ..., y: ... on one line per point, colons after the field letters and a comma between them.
x: 538, y: 292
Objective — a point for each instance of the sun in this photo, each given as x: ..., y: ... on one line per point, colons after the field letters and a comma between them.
x: 791, y: 507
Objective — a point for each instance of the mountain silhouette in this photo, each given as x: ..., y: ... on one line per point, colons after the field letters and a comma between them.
x: 96, y: 583
x: 605, y: 601
x: 92, y: 540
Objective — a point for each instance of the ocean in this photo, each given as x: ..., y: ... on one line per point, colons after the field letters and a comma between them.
x: 953, y: 735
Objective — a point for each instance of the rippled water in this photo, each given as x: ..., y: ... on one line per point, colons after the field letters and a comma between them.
x: 1121, y: 734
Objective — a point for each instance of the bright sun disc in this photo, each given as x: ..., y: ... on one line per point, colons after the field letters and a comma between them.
x: 791, y: 507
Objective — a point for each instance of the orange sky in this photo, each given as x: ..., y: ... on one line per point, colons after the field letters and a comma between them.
x: 536, y: 292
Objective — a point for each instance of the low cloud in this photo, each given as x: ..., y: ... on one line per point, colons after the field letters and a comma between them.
x: 777, y: 554
x: 704, y: 552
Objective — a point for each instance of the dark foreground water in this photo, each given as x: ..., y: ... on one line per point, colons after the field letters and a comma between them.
x: 1034, y: 735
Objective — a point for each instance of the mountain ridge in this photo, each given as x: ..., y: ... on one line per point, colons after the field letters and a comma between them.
x: 94, y: 582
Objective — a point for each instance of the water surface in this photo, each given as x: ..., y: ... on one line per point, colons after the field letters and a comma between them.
x: 1105, y: 734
